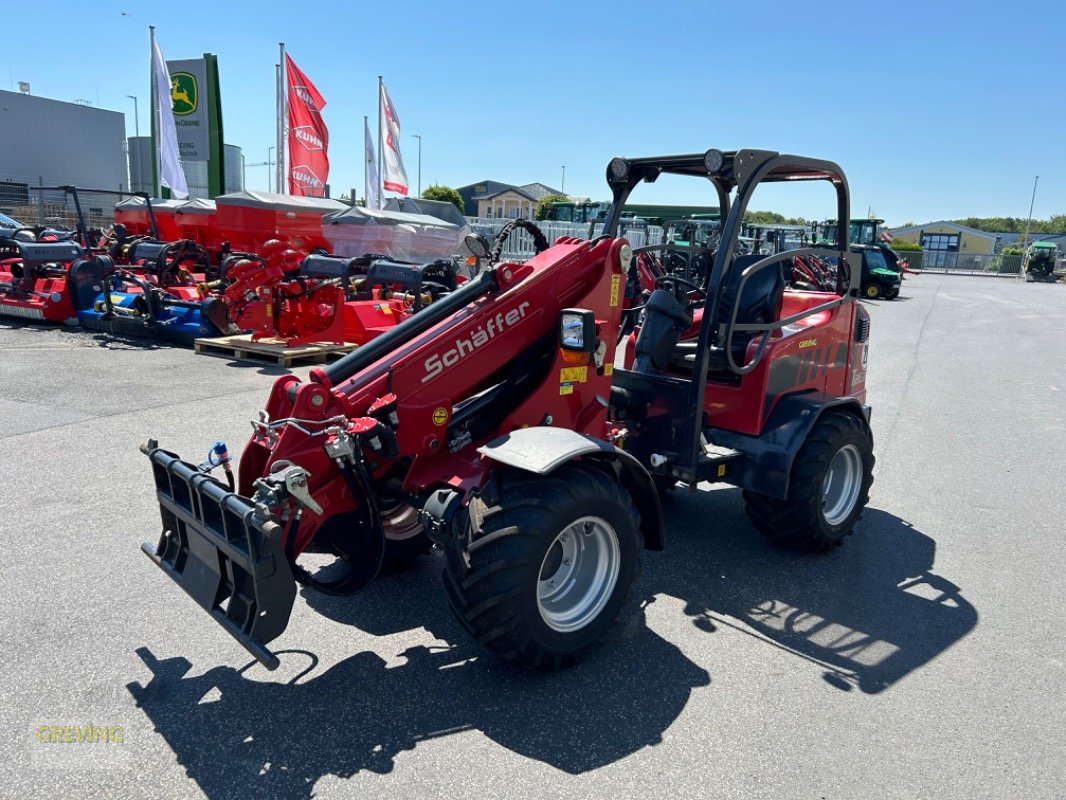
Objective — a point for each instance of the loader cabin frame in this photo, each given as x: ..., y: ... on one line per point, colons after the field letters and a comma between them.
x: 734, y: 175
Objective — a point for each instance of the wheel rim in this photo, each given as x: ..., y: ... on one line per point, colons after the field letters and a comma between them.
x: 872, y: 291
x: 400, y: 522
x: 578, y: 574
x: 841, y: 484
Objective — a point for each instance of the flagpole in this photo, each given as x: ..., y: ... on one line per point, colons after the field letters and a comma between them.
x: 155, y: 113
x: 283, y: 121
x: 381, y: 147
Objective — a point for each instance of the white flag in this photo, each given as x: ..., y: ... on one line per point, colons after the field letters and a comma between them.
x: 373, y: 195
x: 170, y: 174
x: 395, y: 177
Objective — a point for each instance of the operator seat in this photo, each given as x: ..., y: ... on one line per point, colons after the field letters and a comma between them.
x: 760, y: 303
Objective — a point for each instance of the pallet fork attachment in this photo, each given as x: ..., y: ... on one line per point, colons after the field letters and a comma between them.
x: 226, y: 551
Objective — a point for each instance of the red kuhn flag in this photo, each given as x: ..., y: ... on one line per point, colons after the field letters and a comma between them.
x: 308, y: 137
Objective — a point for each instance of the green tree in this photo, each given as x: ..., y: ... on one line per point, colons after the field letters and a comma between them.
x: 445, y: 193
x: 764, y: 218
x: 546, y: 202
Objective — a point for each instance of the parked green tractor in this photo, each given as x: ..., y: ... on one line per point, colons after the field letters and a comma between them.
x: 1039, y: 264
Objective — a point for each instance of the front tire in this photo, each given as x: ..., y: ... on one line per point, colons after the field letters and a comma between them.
x: 871, y: 291
x: 544, y: 572
x: 830, y: 487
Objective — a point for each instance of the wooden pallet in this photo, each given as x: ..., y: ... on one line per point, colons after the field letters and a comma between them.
x: 243, y: 348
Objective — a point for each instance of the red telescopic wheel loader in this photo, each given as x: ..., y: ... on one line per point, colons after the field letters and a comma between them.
x: 495, y: 425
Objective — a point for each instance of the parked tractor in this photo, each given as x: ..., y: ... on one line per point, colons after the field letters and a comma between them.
x: 510, y: 425
x: 1039, y: 262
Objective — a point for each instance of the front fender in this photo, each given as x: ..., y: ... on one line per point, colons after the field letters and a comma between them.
x: 543, y: 449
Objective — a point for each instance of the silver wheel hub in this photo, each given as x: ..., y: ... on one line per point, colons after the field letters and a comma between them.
x: 578, y: 574
x: 841, y: 484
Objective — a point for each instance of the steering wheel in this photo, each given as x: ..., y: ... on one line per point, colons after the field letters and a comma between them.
x: 673, y: 280
x: 540, y: 241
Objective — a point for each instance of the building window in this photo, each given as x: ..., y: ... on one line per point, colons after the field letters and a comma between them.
x: 488, y: 212
x: 941, y: 249
x: 940, y: 241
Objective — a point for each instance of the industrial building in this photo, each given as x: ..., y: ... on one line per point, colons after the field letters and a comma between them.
x: 54, y: 143
x: 50, y: 142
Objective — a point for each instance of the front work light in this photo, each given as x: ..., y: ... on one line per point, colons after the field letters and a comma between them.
x: 618, y: 169
x: 713, y: 160
x: 577, y: 330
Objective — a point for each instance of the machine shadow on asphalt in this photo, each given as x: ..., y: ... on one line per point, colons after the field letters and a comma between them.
x: 868, y: 613
x: 238, y: 737
x: 865, y: 615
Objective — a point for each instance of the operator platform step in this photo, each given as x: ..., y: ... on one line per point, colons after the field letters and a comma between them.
x: 274, y: 351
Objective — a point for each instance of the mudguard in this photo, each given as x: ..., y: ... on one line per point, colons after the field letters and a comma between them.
x: 543, y: 449
x: 769, y: 457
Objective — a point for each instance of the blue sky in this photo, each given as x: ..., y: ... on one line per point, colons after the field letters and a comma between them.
x: 934, y: 110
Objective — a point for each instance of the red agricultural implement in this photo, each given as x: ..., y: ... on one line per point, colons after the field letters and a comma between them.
x: 321, y: 298
x: 248, y: 220
x: 496, y: 424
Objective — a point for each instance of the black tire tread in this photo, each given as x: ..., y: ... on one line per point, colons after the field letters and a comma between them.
x: 481, y: 570
x: 792, y: 522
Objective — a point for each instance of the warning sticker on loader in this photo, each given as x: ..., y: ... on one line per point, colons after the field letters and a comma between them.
x: 616, y: 285
x: 573, y: 374
x: 440, y: 415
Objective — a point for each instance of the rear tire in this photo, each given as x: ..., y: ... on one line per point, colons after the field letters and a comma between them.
x: 830, y: 487
x: 544, y: 572
x: 871, y: 291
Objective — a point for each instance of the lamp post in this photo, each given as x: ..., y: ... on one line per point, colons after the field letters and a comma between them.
x: 562, y: 187
x: 137, y: 132
x: 1029, y: 221
x: 419, y: 137
x: 270, y: 156
x: 243, y: 172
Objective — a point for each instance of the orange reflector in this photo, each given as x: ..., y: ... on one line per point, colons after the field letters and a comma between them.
x: 575, y: 356
x: 471, y: 261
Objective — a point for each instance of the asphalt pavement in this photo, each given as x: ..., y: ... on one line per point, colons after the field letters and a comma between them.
x: 924, y: 658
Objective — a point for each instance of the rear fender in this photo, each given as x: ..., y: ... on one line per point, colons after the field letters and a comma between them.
x: 542, y: 450
x: 769, y: 457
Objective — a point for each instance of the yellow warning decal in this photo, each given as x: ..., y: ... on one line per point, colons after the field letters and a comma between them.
x: 440, y: 415
x: 616, y: 285
x: 608, y: 369
x: 721, y: 470
x: 573, y: 374
x: 566, y: 388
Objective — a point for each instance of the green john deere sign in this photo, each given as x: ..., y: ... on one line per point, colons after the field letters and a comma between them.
x: 195, y: 100
x: 183, y: 93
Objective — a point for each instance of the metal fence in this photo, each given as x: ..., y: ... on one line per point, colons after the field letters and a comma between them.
x: 28, y: 204
x: 519, y: 244
x: 969, y: 263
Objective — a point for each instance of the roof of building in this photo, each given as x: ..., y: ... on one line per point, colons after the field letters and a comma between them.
x: 505, y: 190
x: 538, y: 190
x: 946, y: 222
